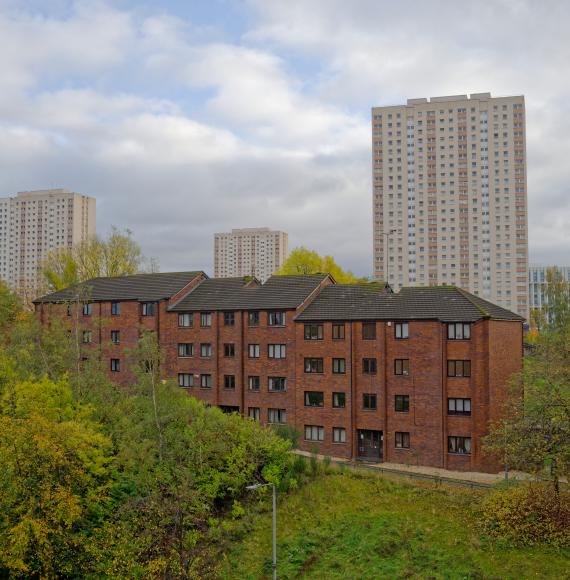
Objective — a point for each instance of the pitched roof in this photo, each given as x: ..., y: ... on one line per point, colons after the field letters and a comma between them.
x: 142, y: 287
x: 279, y: 292
x: 370, y: 302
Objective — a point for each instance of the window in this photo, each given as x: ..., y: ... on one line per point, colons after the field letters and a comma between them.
x: 277, y: 384
x: 369, y: 366
x: 185, y: 380
x: 338, y: 331
x: 368, y: 330
x: 148, y: 308
x: 402, y: 440
x: 253, y: 319
x: 339, y: 435
x: 338, y: 366
x: 115, y: 308
x: 185, y: 349
x: 185, y: 319
x: 314, y: 433
x: 339, y: 400
x: 253, y: 383
x: 276, y: 351
x: 205, y: 319
x: 229, y: 318
x: 87, y: 309
x: 253, y: 351
x: 313, y: 332
x: 276, y: 318
x: 277, y: 416
x: 402, y: 366
x: 314, y: 399
x: 206, y: 381
x: 460, y: 445
x: 115, y: 365
x: 369, y: 401
x: 402, y: 403
x: 254, y: 413
x: 313, y: 365
x: 401, y: 330
x: 87, y: 336
x: 229, y: 381
x: 459, y: 406
x: 229, y: 349
x: 115, y: 336
x: 459, y: 331
x: 69, y: 310
x: 205, y: 349
x: 458, y: 368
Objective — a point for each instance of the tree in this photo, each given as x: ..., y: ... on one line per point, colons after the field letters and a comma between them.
x: 118, y: 255
x: 10, y: 307
x: 304, y: 261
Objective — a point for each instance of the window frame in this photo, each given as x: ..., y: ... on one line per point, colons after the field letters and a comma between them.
x: 455, y: 412
x: 253, y: 318
x: 339, y: 430
x: 115, y: 308
x: 230, y: 382
x: 254, y: 380
x: 309, y: 331
x: 254, y: 348
x: 189, y: 316
x: 369, y: 397
x: 320, y: 433
x: 462, y: 445
x: 88, y: 309
x: 281, y: 413
x: 181, y: 380
x: 452, y: 328
x: 272, y: 315
x: 117, y: 334
x: 336, y: 395
x: 271, y: 384
x: 229, y: 318
x: 455, y: 362
x: 273, y: 349
x: 205, y: 319
x: 402, y: 328
x: 369, y: 366
x: 209, y: 348
x: 320, y: 395
x: 405, y: 403
x: 148, y: 308
x: 182, y: 346
x: 366, y: 326
x: 338, y: 328
x: 115, y: 365
x: 87, y: 337
x: 402, y: 440
x: 339, y: 366
x: 229, y: 349
x: 254, y: 413
x: 318, y: 363
x: 404, y: 367
x: 205, y: 381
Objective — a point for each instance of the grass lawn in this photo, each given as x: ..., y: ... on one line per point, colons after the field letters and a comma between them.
x: 351, y: 526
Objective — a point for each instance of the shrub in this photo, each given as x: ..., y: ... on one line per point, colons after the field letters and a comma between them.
x: 528, y: 513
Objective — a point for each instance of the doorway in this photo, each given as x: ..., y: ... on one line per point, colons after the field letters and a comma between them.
x: 370, y: 445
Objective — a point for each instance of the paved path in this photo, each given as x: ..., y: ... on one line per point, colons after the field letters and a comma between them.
x: 466, y: 478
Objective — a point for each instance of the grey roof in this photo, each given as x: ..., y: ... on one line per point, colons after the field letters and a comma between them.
x: 279, y: 292
x: 370, y: 302
x: 142, y: 287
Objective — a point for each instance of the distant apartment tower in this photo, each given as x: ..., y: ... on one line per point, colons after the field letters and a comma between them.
x: 255, y: 252
x: 538, y: 283
x: 450, y: 196
x: 32, y: 224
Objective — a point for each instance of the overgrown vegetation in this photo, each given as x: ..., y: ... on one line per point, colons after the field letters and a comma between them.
x: 343, y: 524
x: 99, y: 481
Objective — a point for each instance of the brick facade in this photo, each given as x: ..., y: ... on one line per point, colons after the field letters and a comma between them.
x: 494, y: 351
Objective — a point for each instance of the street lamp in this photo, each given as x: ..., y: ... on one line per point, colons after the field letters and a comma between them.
x: 257, y: 486
x: 387, y: 252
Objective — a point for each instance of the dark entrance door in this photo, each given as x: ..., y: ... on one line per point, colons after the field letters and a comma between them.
x: 370, y: 445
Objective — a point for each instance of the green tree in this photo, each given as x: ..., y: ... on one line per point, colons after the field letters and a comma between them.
x: 304, y: 261
x: 10, y: 307
x: 118, y: 255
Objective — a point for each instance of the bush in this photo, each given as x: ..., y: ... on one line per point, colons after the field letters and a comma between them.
x: 528, y: 514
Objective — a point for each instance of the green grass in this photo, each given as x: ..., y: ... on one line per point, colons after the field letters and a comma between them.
x: 354, y: 526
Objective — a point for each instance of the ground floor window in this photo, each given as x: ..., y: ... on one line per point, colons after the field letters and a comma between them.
x: 277, y: 416
x: 339, y: 435
x: 185, y: 380
x: 254, y: 413
x: 314, y: 433
x: 460, y: 445
x: 402, y: 440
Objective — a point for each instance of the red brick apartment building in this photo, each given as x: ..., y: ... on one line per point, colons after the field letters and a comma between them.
x: 413, y: 377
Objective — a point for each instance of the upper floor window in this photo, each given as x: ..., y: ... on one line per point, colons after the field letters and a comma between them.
x: 185, y: 349
x: 368, y: 330
x: 401, y: 366
x: 205, y: 319
x: 185, y: 380
x: 205, y: 349
x: 276, y: 351
x: 461, y: 445
x: 277, y: 383
x: 277, y: 416
x: 459, y: 406
x: 369, y: 366
x: 148, y: 308
x: 458, y: 368
x: 253, y: 318
x: 314, y: 399
x: 87, y: 309
x: 206, y: 381
x: 313, y: 332
x: 338, y: 365
x: 253, y: 350
x: 229, y: 381
x: 338, y: 331
x: 369, y: 401
x: 87, y: 336
x: 254, y: 413
x: 115, y: 308
x: 253, y: 383
x: 313, y: 365
x: 229, y: 318
x: 459, y: 331
x: 402, y: 403
x: 115, y: 336
x: 276, y: 318
x: 229, y: 349
x: 115, y: 365
x: 401, y: 330
x: 339, y: 400
x: 185, y: 319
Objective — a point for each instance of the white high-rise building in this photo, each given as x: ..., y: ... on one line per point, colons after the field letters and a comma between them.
x: 538, y: 283
x: 255, y: 252
x: 35, y: 222
x: 450, y: 196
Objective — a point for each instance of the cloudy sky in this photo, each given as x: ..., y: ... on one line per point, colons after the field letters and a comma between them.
x: 190, y: 117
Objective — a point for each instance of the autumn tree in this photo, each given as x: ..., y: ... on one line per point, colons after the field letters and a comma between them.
x: 118, y: 255
x: 304, y: 261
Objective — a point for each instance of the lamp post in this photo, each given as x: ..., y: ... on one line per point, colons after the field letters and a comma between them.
x: 387, y: 252
x: 257, y: 486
